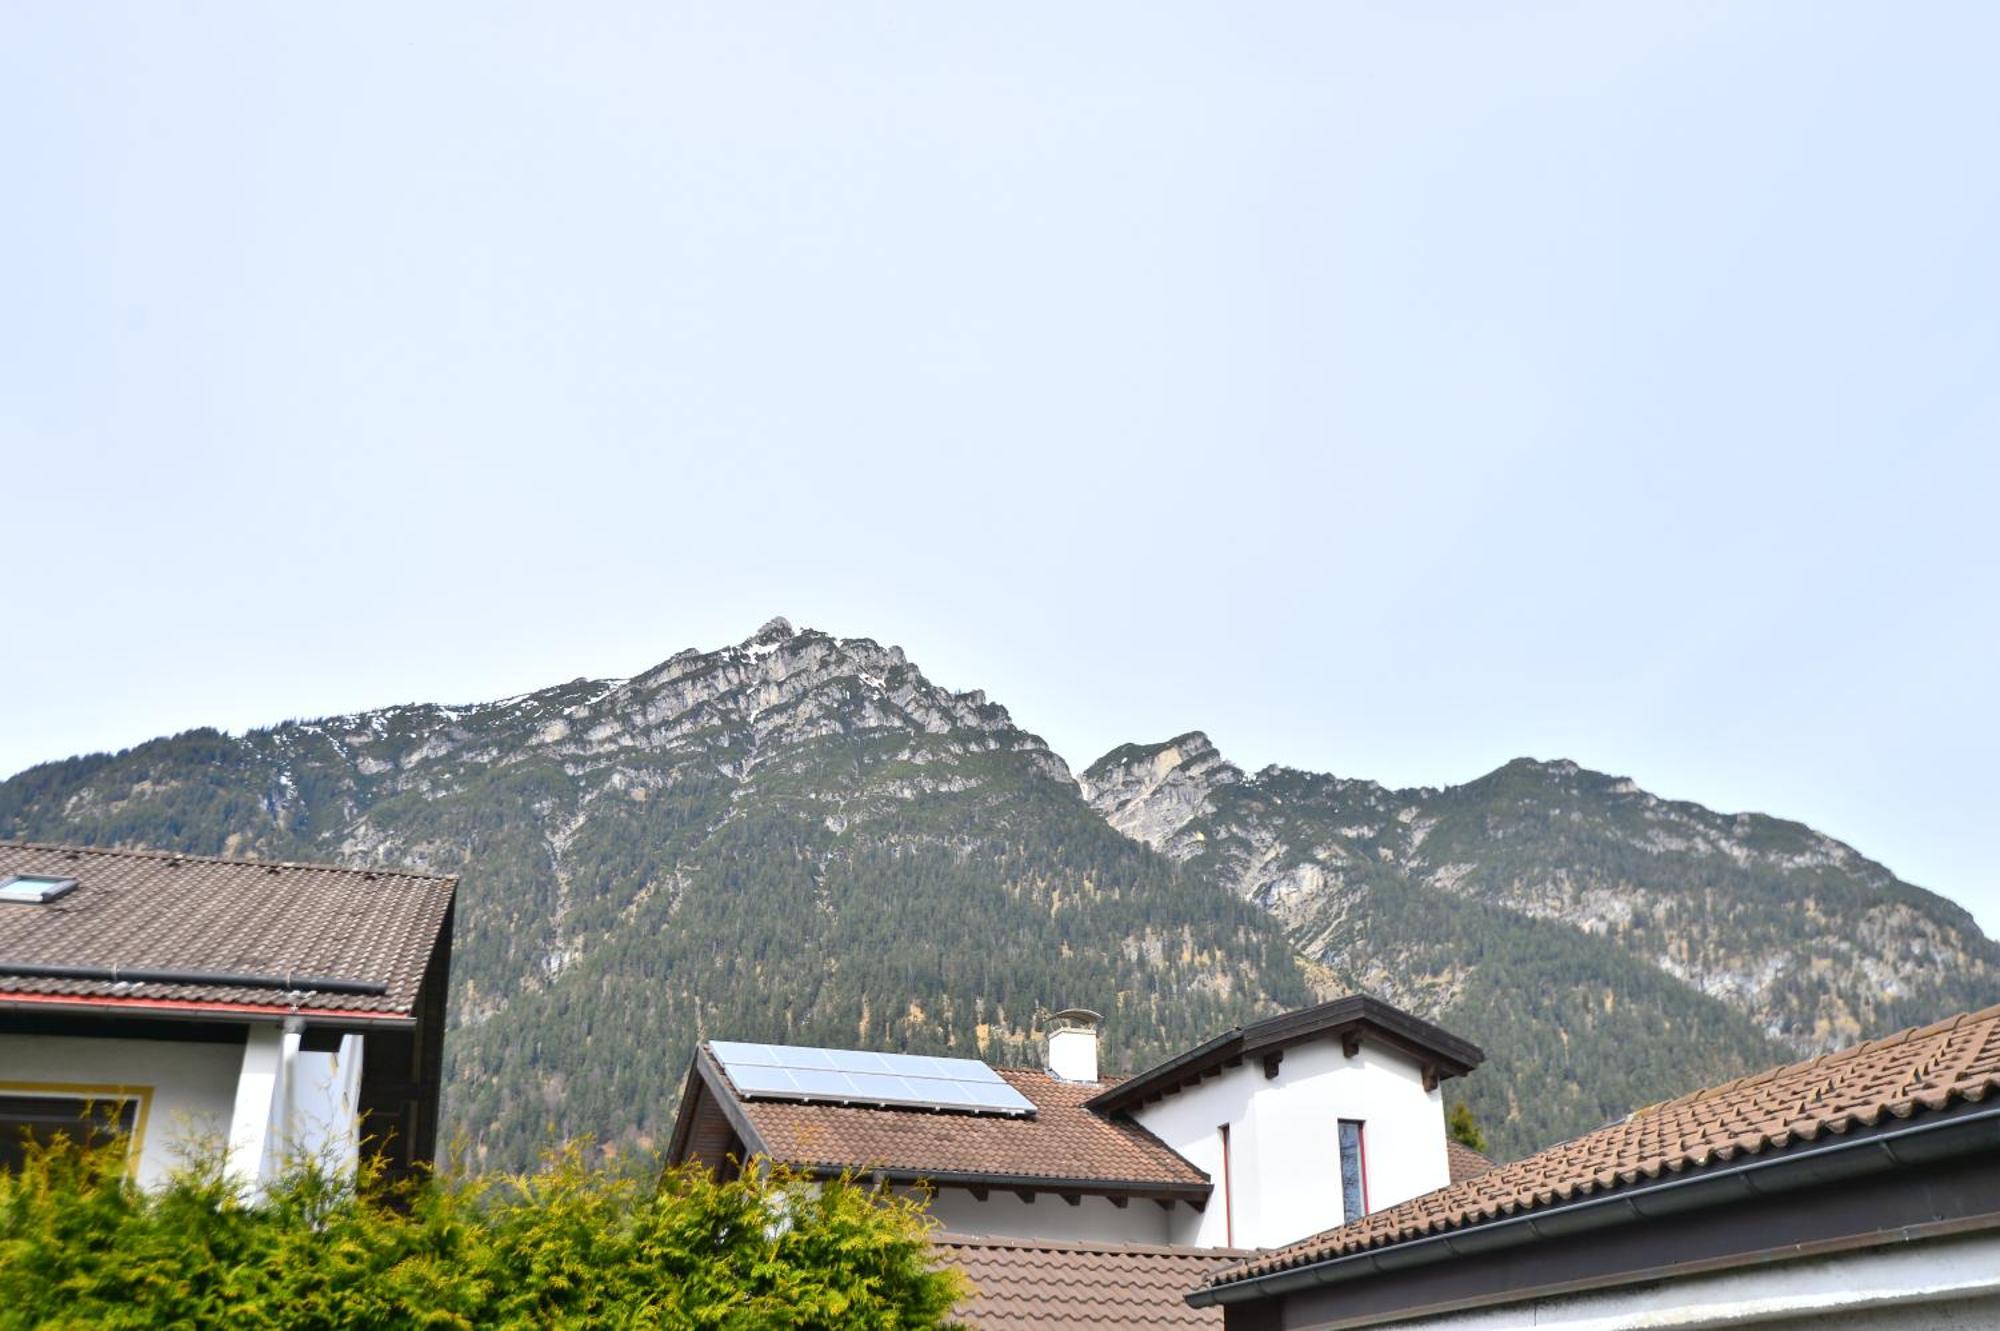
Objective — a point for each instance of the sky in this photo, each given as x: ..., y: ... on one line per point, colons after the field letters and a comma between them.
x: 1389, y: 389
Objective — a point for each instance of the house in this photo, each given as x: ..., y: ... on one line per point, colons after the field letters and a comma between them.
x: 276, y: 1009
x: 1859, y: 1190
x: 1262, y: 1135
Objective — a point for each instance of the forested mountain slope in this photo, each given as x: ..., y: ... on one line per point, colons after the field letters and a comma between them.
x: 802, y: 838
x: 1607, y: 947
x: 798, y: 838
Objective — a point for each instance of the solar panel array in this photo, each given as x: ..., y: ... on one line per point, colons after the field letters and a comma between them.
x: 856, y: 1076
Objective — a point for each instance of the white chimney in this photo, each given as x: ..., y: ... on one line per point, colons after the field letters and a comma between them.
x: 1073, y: 1045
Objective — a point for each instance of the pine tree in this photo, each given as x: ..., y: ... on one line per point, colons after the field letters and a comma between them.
x: 1462, y: 1127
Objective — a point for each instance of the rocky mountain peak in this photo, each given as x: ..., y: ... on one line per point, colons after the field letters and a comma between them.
x: 1548, y: 769
x: 781, y: 687
x: 775, y: 629
x: 1150, y: 791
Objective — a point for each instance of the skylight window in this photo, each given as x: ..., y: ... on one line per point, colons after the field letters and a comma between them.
x: 33, y: 889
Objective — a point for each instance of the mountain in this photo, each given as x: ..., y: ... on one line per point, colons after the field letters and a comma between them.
x: 1606, y: 946
x: 802, y: 838
x: 798, y: 838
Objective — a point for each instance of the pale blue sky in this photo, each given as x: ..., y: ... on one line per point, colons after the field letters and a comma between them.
x: 1389, y: 389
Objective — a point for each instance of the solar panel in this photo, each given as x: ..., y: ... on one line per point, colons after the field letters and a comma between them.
x: 856, y: 1076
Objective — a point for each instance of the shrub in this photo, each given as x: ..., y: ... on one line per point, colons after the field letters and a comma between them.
x: 567, y: 1246
x: 1462, y: 1126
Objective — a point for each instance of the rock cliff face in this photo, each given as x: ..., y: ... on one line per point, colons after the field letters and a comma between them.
x: 1740, y: 933
x: 1152, y: 793
x: 800, y: 837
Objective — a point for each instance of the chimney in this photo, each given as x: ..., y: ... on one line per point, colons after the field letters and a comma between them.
x: 1073, y: 1045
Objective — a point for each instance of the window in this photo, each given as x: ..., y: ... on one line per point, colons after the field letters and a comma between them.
x: 1228, y: 1193
x: 1353, y: 1171
x: 40, y: 1118
x: 33, y: 889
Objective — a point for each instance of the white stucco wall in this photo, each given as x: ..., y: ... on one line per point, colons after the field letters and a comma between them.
x: 1284, y: 1143
x: 322, y: 1103
x: 194, y: 1095
x: 1946, y: 1284
x: 185, y: 1090
x: 1050, y: 1217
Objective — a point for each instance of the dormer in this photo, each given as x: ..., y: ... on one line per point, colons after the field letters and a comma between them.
x: 1303, y: 1121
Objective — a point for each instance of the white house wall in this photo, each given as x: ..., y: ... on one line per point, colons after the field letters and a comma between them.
x: 186, y: 1090
x: 256, y: 1125
x: 323, y: 1104
x: 1004, y: 1214
x: 293, y: 1105
x: 266, y: 1099
x: 1284, y: 1143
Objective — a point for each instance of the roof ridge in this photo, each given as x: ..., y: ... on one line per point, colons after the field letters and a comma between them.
x: 1103, y: 1082
x: 1108, y: 1079
x: 141, y: 853
x: 1828, y: 1057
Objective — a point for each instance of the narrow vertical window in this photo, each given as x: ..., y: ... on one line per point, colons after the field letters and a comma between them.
x: 1228, y: 1193
x: 1353, y: 1171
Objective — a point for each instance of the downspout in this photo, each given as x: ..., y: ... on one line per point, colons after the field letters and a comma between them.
x: 285, y: 1135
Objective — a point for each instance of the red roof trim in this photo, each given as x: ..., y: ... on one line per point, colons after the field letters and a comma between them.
x: 196, y: 1005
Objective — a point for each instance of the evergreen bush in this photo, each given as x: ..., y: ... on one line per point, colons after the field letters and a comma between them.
x: 567, y: 1245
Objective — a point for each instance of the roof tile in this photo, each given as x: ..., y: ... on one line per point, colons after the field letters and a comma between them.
x: 160, y: 911
x: 1466, y: 1163
x: 1037, y: 1285
x: 1928, y: 1068
x: 1063, y: 1139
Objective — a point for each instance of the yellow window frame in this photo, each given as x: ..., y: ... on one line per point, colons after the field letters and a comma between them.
x: 95, y: 1093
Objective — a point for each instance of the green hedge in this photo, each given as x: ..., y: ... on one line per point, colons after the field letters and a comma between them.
x: 567, y: 1246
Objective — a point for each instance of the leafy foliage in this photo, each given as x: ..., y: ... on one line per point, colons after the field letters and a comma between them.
x: 1462, y: 1126
x: 566, y: 1246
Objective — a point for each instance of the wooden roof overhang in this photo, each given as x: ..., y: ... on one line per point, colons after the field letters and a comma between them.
x: 1357, y: 1019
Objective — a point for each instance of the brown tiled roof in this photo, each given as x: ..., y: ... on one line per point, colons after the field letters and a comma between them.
x: 1038, y: 1285
x: 1063, y: 1142
x: 1916, y: 1071
x: 272, y: 927
x: 1466, y: 1163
